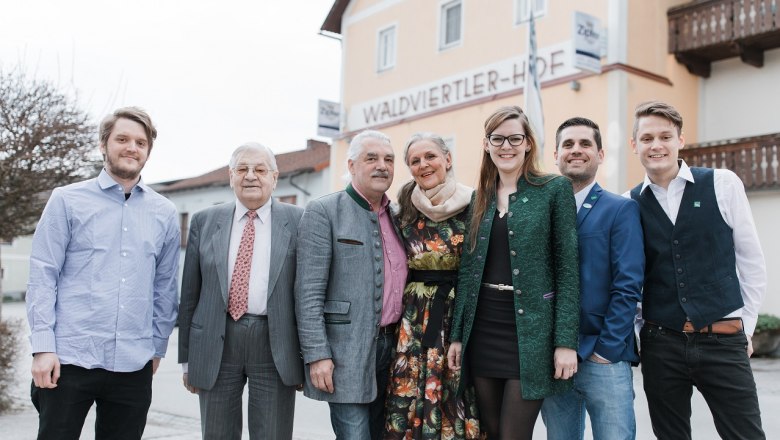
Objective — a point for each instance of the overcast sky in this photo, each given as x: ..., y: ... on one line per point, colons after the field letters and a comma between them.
x: 212, y: 74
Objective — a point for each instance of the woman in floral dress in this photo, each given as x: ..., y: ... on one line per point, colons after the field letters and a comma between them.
x: 422, y: 401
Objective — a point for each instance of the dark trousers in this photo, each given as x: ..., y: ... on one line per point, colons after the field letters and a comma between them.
x: 717, y: 365
x: 122, y: 400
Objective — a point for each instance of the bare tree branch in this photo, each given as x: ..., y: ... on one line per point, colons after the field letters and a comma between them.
x: 45, y: 141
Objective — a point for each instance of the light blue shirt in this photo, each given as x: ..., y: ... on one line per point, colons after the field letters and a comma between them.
x: 103, y: 288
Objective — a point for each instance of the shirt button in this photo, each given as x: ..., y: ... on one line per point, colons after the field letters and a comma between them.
x: 682, y: 284
x: 677, y: 257
x: 520, y: 311
x: 516, y: 271
x: 376, y: 244
x: 518, y: 291
x: 683, y: 299
x: 509, y: 214
x: 377, y: 258
x: 124, y: 254
x: 679, y: 270
x: 124, y: 229
x: 511, y: 233
x: 378, y: 270
x: 676, y: 242
x: 123, y: 280
x: 376, y: 233
x: 378, y: 284
x: 118, y: 334
x: 513, y: 253
x: 125, y: 203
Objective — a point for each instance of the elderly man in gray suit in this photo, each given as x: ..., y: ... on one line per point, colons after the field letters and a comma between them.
x: 237, y: 312
x: 351, y: 276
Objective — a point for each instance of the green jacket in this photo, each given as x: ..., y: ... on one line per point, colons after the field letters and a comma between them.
x: 545, y: 275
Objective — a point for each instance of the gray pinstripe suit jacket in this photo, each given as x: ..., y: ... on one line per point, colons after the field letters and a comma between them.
x: 204, y: 293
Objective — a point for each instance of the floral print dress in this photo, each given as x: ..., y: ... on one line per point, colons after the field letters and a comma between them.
x: 422, y: 400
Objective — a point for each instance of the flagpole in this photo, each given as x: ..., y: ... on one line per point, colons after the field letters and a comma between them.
x: 532, y: 90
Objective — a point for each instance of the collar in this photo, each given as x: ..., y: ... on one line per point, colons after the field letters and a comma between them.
x: 583, y: 194
x: 106, y: 181
x: 263, y: 213
x: 361, y: 200
x: 684, y: 173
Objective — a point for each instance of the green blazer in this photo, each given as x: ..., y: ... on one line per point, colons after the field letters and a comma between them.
x: 545, y: 276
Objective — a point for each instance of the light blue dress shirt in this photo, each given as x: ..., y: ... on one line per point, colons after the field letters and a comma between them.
x: 103, y: 290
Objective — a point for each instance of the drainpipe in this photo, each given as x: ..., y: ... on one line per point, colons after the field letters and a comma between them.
x: 295, y: 185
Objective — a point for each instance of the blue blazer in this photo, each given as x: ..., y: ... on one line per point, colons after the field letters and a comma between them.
x: 612, y: 265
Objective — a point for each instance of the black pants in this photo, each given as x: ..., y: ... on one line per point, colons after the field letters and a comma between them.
x: 673, y: 362
x: 122, y: 399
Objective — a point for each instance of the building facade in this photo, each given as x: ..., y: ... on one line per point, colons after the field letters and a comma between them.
x: 445, y: 65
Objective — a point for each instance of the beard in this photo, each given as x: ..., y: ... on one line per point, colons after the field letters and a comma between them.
x: 122, y: 171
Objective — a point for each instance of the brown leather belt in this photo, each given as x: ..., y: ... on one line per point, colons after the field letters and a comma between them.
x: 726, y: 327
x: 722, y: 327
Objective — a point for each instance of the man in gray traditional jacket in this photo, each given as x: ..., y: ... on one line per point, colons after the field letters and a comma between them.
x: 349, y: 284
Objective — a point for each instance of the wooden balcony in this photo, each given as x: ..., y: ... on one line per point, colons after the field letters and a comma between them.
x: 756, y: 160
x: 704, y: 31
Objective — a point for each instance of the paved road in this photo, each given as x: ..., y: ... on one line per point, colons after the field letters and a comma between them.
x: 174, y: 411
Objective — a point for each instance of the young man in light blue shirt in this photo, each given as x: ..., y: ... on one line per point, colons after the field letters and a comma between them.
x: 102, y: 295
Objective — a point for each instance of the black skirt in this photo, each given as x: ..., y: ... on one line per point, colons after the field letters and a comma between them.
x: 492, y: 348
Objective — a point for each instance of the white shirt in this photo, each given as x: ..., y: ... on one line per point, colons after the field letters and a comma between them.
x: 735, y: 210
x: 579, y: 198
x: 261, y: 255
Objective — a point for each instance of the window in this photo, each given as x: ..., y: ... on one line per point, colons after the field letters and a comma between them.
x: 184, y: 223
x: 521, y: 9
x: 451, y: 24
x: 289, y: 199
x: 386, y: 49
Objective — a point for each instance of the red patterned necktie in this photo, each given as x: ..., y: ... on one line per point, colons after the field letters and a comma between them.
x: 239, y: 283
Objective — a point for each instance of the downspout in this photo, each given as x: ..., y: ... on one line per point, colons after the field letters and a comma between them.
x: 296, y: 186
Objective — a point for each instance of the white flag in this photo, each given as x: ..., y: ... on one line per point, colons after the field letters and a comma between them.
x: 532, y: 91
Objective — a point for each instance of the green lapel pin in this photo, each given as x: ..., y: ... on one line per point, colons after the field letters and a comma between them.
x: 697, y: 204
x: 524, y: 199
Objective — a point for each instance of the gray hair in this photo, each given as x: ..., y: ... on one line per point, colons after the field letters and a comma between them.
x: 431, y: 137
x: 252, y: 146
x: 356, y: 146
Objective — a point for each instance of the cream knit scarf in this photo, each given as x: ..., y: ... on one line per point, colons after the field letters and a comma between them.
x: 442, y: 201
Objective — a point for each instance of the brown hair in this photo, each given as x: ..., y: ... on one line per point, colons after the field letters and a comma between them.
x: 660, y: 109
x: 488, y: 173
x: 134, y: 114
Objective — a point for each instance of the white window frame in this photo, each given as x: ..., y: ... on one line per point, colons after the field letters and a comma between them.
x: 521, y: 10
x: 386, y: 63
x: 444, y: 7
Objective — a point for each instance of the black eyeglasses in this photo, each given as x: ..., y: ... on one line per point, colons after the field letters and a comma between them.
x: 515, y: 140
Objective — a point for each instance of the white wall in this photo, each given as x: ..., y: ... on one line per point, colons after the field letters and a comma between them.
x: 739, y: 100
x: 766, y: 209
x: 16, y: 264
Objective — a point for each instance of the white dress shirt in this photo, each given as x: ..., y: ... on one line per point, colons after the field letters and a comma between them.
x: 579, y: 198
x: 735, y: 210
x: 261, y: 255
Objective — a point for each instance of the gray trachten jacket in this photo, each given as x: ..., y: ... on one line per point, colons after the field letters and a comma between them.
x: 338, y: 293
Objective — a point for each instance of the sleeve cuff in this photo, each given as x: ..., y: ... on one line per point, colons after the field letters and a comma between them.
x: 160, y: 347
x: 44, y: 342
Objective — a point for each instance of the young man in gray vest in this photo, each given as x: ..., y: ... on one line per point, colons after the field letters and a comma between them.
x: 705, y: 278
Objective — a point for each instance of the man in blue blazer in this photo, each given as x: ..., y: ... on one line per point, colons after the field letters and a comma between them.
x: 611, y: 273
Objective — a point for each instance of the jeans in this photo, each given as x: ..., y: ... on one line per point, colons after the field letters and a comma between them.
x: 674, y: 362
x: 363, y: 421
x: 605, y: 392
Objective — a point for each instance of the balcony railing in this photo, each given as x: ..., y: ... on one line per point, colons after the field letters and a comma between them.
x: 756, y: 160
x: 704, y: 31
